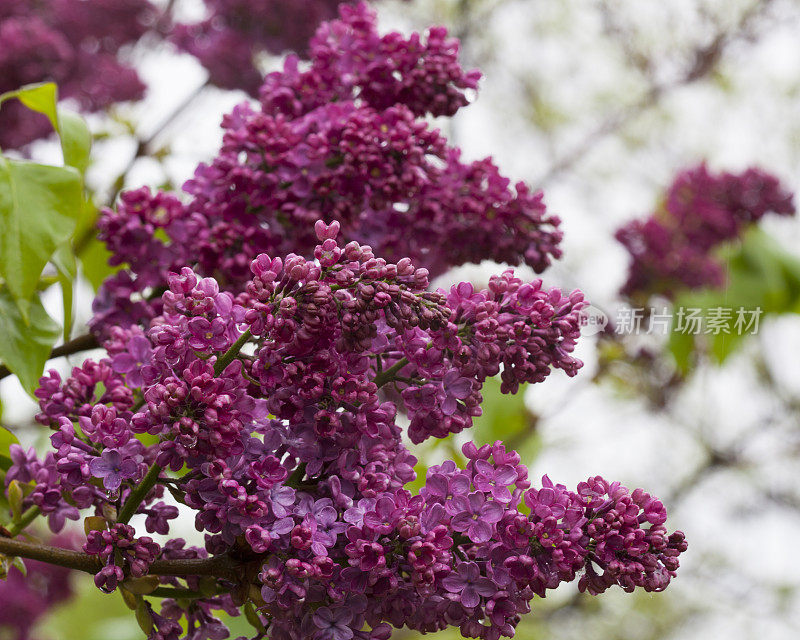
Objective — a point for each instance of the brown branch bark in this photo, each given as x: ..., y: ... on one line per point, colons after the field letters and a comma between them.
x: 76, y: 345
x: 218, y: 566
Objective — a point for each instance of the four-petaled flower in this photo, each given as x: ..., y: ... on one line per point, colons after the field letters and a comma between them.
x: 333, y: 624
x: 474, y: 515
x: 469, y: 584
x: 112, y: 468
x: 130, y: 362
x: 455, y: 388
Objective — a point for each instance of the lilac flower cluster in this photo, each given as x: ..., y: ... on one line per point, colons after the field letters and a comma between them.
x: 673, y: 249
x: 75, y: 43
x: 272, y: 413
x: 118, y: 548
x: 342, y: 139
x: 266, y: 394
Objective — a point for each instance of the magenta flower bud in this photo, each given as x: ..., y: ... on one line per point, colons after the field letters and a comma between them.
x: 326, y: 231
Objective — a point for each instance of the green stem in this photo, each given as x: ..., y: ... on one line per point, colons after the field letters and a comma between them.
x: 296, y: 478
x: 385, y: 377
x: 138, y: 494
x: 227, y: 357
x: 15, y: 528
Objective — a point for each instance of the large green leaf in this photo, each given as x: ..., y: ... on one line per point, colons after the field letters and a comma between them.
x: 39, y: 207
x: 76, y: 140
x: 25, y: 347
x: 41, y: 98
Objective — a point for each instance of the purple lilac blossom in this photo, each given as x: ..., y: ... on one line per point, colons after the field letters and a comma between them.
x: 345, y: 139
x: 75, y: 43
x: 112, y: 468
x: 290, y: 453
x: 673, y: 249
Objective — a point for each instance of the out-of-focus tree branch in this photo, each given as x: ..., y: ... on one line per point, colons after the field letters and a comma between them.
x: 704, y: 60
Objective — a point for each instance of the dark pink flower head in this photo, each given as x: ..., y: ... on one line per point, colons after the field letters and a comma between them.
x: 75, y: 43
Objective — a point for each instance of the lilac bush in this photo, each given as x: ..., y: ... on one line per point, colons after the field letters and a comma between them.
x: 272, y: 338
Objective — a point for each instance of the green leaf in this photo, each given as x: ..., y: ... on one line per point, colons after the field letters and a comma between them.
x: 41, y: 98
x: 7, y: 438
x: 760, y: 274
x: 39, y: 207
x: 76, y: 140
x: 5, y: 508
x: 20, y: 565
x: 94, y: 261
x: 506, y: 417
x: 24, y: 347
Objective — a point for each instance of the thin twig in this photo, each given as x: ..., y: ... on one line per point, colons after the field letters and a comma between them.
x: 705, y: 60
x: 221, y: 566
x: 76, y: 345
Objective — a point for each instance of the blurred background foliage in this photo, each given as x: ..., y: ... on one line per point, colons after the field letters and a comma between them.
x: 599, y: 102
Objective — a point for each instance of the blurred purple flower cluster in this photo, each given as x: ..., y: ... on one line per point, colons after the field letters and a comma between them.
x: 28, y: 597
x: 74, y: 43
x: 236, y: 33
x: 81, y: 45
x: 674, y: 248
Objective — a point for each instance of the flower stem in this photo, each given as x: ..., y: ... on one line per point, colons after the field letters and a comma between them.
x: 15, y: 528
x: 138, y: 494
x: 226, y: 358
x: 387, y: 376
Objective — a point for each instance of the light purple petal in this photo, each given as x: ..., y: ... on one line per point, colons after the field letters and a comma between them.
x: 480, y: 531
x: 469, y: 598
x: 492, y: 512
